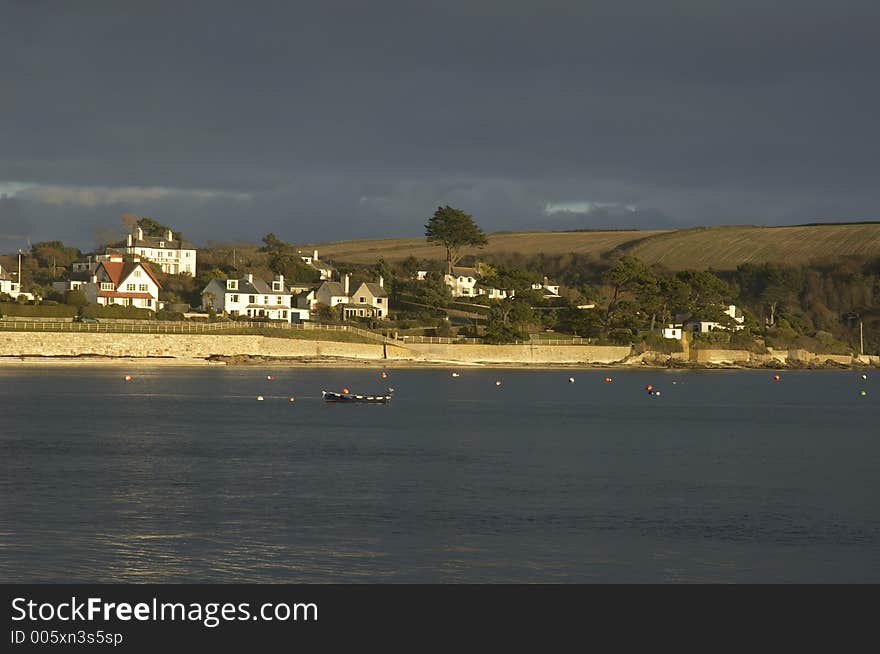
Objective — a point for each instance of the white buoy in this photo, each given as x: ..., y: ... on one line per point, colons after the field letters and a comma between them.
x: 571, y: 380
x: 864, y: 376
x: 498, y: 382
x: 292, y: 398
x: 128, y: 378
x: 259, y: 398
x: 455, y: 374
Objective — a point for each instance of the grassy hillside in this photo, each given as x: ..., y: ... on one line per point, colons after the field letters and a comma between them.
x: 721, y: 248
x: 396, y: 249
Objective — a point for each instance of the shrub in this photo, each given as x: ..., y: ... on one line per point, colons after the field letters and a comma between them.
x: 115, y: 311
x: 37, y: 311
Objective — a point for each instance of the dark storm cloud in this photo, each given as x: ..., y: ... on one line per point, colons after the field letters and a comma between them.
x: 350, y: 119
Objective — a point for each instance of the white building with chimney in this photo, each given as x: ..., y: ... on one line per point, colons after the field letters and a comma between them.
x: 325, y: 269
x: 252, y: 298
x: 172, y: 256
x: 127, y: 283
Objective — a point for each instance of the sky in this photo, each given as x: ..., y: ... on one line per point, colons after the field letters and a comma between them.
x: 337, y: 120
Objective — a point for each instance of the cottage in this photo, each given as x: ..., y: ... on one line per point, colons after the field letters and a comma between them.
x: 253, y: 298
x: 369, y: 301
x: 130, y: 283
x: 462, y: 281
x: 322, y: 267
x: 332, y: 294
x: 10, y: 287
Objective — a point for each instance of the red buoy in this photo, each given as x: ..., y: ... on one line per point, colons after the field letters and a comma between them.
x: 775, y: 377
x: 649, y: 387
x: 608, y: 380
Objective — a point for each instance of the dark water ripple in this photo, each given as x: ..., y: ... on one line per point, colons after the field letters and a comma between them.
x: 181, y: 476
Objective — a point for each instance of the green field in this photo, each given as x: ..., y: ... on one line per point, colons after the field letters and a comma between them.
x: 721, y: 248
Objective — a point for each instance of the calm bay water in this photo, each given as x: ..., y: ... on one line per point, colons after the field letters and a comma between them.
x: 181, y: 476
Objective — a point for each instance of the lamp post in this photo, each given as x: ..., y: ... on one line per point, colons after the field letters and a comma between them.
x: 19, y: 272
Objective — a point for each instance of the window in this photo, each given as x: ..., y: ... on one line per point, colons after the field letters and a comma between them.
x: 233, y: 298
x: 143, y: 287
x: 130, y: 287
x: 252, y: 299
x: 284, y: 315
x: 232, y: 284
x: 106, y: 286
x: 161, y: 244
x: 137, y: 273
x: 188, y: 253
x: 380, y: 313
x: 363, y: 300
x: 378, y: 300
x: 265, y: 299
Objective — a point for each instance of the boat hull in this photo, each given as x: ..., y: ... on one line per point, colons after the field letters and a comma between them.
x: 354, y: 398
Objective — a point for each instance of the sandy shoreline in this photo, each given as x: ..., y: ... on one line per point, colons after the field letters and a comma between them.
x: 343, y: 362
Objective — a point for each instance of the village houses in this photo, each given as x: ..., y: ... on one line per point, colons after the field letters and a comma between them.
x: 687, y: 323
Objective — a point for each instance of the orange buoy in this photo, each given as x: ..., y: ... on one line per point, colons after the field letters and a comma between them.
x: 346, y: 391
x: 128, y: 378
x: 649, y: 387
x: 608, y: 380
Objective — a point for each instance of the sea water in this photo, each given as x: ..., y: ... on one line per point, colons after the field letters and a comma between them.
x: 181, y: 475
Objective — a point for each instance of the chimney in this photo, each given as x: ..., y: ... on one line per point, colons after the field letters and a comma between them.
x: 346, y: 284
x: 169, y: 235
x: 381, y: 282
x: 546, y: 280
x: 140, y: 234
x: 280, y: 280
x: 94, y: 279
x: 128, y: 240
x: 315, y: 255
x: 250, y: 277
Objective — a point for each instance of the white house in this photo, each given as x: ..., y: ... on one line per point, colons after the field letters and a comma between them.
x: 253, y: 298
x: 325, y: 269
x: 548, y: 290
x: 171, y: 255
x: 370, y: 300
x: 332, y: 294
x: 492, y: 293
x: 462, y: 281
x: 705, y: 326
x: 671, y: 330
x: 11, y: 288
x: 127, y: 283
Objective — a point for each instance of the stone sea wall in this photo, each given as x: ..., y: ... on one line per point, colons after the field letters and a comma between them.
x: 192, y: 346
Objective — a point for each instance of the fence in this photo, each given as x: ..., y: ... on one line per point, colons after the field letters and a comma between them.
x: 243, y: 326
x: 161, y: 327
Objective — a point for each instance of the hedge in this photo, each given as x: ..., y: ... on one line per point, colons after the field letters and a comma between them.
x: 37, y: 310
x: 115, y: 311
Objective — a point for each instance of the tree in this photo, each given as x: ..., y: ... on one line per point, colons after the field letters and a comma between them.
x: 454, y: 229
x: 152, y: 227
x: 432, y: 291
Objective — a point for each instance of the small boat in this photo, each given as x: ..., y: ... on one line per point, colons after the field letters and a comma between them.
x: 332, y: 396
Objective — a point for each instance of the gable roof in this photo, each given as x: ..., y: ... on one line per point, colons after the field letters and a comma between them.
x: 333, y: 288
x: 118, y: 271
x: 375, y: 289
x: 464, y: 271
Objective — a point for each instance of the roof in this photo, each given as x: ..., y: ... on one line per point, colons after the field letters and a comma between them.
x: 464, y: 271
x: 120, y: 270
x: 267, y: 306
x: 358, y: 305
x: 376, y: 290
x: 334, y: 288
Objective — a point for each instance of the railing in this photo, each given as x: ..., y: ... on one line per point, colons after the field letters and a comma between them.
x: 162, y: 327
